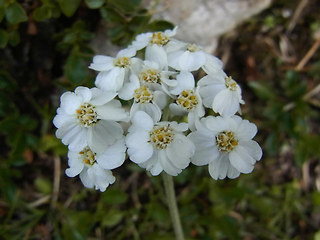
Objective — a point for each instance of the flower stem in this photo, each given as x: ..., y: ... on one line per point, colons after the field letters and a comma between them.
x: 172, y: 203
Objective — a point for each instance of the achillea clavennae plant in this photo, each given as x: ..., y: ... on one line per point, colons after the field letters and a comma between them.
x: 163, y: 88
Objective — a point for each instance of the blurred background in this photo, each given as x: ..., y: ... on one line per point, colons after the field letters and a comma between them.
x: 270, y: 48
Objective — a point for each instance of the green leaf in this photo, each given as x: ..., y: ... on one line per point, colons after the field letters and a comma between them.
x: 94, y: 4
x: 4, y: 37
x: 68, y: 7
x: 43, y: 185
x: 14, y: 38
x: 42, y: 13
x: 76, y: 68
x: 159, y: 25
x: 15, y: 14
x: 126, y: 6
x: 2, y: 12
x: 262, y: 91
x: 112, y: 218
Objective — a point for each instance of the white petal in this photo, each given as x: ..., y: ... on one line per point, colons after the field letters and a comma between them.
x: 241, y: 160
x: 205, y: 148
x: 217, y: 124
x: 127, y: 52
x: 84, y: 93
x: 157, y: 54
x: 192, y: 61
x: 246, y: 130
x: 180, y: 151
x: 177, y: 110
x: 139, y: 149
x: 226, y: 103
x: 70, y: 102
x: 232, y: 172
x: 100, y: 97
x: 101, y: 63
x: 167, y: 166
x: 111, y: 80
x: 185, y: 82
x: 104, y: 134
x: 63, y: 119
x: 173, y: 59
x: 142, y: 121
x: 72, y: 135
x: 127, y: 91
x: 160, y: 98
x: 212, y: 65
x: 114, y: 156
x: 218, y: 169
x: 86, y: 179
x: 112, y: 111
x: 253, y: 149
x: 75, y: 168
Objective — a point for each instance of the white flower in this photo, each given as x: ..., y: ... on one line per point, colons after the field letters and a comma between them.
x: 221, y: 93
x: 225, y: 143
x: 113, y: 72
x: 186, y: 57
x: 188, y: 100
x: 150, y: 75
x: 155, y: 44
x: 158, y: 146
x: 88, y: 117
x: 94, y: 168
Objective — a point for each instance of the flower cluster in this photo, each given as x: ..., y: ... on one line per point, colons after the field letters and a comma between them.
x: 169, y: 115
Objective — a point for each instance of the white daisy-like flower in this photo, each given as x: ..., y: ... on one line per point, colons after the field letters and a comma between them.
x: 94, y: 168
x: 225, y: 143
x: 158, y: 146
x: 148, y: 101
x: 114, y: 72
x: 88, y: 117
x: 188, y: 103
x: 155, y: 44
x: 221, y: 93
x: 150, y: 75
x: 188, y: 100
x: 186, y: 57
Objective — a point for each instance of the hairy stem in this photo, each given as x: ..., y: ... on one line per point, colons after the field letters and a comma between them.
x: 172, y: 203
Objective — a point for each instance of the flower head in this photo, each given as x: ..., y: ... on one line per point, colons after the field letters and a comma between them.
x: 225, y: 143
x: 221, y: 93
x: 158, y: 146
x: 88, y: 117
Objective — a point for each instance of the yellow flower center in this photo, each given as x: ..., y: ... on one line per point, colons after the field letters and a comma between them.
x: 161, y: 136
x: 122, y: 62
x: 192, y: 47
x: 143, y: 95
x: 231, y: 84
x: 87, y: 156
x: 87, y: 115
x: 187, y: 100
x: 149, y: 76
x: 159, y: 38
x: 226, y: 141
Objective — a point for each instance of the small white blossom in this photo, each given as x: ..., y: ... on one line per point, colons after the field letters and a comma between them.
x: 94, y: 168
x: 155, y: 44
x: 186, y: 57
x: 158, y: 146
x: 225, y: 143
x: 114, y: 72
x: 150, y: 75
x: 88, y: 117
x: 221, y: 93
